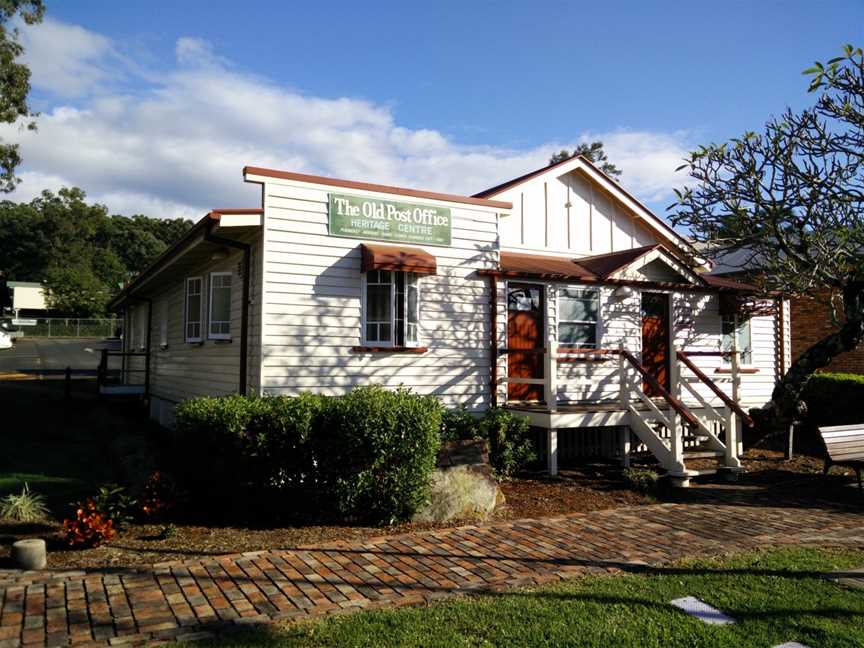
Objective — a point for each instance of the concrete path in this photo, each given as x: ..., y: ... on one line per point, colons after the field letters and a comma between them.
x: 188, y: 600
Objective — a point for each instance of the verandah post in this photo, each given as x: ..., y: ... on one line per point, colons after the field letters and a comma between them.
x: 551, y: 375
x: 552, y: 450
x: 732, y: 435
x: 624, y: 399
x: 677, y: 441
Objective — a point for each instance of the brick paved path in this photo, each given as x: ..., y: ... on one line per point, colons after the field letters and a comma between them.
x: 191, y: 598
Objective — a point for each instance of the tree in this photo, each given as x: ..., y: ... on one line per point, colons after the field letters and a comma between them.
x: 790, y: 201
x: 80, y: 252
x: 75, y: 290
x: 14, y: 81
x: 594, y: 152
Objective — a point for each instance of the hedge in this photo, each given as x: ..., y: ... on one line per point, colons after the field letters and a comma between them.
x: 365, y: 456
x: 834, y: 399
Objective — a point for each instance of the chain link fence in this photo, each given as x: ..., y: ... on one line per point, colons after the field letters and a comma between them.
x: 67, y: 327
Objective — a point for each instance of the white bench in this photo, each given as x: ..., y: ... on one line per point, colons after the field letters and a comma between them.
x: 844, y: 446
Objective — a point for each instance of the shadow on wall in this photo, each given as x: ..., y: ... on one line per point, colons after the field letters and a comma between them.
x: 454, y: 316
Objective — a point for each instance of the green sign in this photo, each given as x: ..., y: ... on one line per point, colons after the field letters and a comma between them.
x: 386, y: 220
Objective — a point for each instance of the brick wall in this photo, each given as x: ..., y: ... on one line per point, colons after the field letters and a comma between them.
x: 811, y: 321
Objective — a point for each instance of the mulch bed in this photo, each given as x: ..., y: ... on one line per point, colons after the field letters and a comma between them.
x: 585, y: 489
x: 578, y: 489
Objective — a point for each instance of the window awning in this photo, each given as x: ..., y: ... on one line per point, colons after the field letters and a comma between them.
x: 400, y: 259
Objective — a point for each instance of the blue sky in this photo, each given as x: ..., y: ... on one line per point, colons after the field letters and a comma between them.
x: 155, y: 107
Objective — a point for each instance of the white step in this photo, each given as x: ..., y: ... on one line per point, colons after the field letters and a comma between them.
x: 703, y: 454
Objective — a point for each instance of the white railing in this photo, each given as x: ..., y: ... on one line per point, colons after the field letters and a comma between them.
x: 677, y: 419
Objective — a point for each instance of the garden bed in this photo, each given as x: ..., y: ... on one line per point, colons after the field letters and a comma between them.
x: 142, y: 544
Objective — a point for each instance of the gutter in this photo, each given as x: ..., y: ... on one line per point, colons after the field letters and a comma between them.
x: 244, y: 317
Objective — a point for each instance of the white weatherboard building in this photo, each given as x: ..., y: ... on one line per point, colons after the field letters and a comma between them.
x: 28, y: 297
x: 557, y: 294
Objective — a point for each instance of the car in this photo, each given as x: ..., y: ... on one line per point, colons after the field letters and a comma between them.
x: 5, y: 340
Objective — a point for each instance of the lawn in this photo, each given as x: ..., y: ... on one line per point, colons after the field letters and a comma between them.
x: 776, y: 596
x: 52, y: 444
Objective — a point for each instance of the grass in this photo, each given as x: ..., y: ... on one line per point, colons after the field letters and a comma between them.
x: 56, y: 446
x: 776, y: 596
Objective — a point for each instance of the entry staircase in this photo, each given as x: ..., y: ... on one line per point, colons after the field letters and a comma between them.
x: 670, y: 429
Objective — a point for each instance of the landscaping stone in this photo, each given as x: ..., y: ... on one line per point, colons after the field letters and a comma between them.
x: 849, y: 578
x: 29, y: 554
x: 702, y: 611
x: 463, y: 486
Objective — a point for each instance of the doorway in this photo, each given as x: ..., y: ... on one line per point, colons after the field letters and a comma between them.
x: 655, y: 340
x: 525, y: 307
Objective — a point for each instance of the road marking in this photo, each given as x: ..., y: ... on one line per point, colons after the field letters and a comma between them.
x: 702, y: 611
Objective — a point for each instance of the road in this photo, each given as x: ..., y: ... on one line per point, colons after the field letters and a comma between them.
x: 50, y: 355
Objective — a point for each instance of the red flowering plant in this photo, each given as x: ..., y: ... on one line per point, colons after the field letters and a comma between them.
x: 89, y: 528
x: 160, y: 495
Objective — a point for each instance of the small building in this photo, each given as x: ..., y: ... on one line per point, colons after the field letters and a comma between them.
x: 28, y: 299
x: 557, y: 294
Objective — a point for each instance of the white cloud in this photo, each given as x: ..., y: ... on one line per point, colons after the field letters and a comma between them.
x: 175, y: 146
x: 67, y: 60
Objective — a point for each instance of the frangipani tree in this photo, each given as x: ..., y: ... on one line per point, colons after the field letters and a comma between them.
x: 787, y: 206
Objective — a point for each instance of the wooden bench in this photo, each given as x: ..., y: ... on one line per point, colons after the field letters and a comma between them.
x: 844, y: 445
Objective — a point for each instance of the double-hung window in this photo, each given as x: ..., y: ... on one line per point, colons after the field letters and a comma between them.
x: 219, y: 321
x: 737, y: 328
x: 578, y: 316
x: 193, y: 309
x: 391, y: 309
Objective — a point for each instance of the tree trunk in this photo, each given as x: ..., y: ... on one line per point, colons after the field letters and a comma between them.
x: 786, y: 406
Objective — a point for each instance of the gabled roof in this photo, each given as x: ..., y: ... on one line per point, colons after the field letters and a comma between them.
x: 491, y: 191
x: 604, y: 265
x: 612, y: 187
x: 605, y: 268
x: 592, y: 268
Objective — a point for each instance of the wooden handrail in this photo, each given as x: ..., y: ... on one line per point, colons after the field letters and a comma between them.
x: 715, y: 354
x: 677, y: 405
x: 731, y: 404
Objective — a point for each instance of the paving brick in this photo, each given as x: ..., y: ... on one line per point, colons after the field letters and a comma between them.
x: 188, y: 600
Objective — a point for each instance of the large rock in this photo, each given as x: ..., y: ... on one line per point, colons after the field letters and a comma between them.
x: 463, y: 486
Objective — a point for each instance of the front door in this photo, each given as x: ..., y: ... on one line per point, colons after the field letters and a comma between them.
x: 524, y: 331
x: 655, y: 339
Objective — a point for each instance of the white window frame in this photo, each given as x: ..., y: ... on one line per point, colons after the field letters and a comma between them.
x: 186, y: 322
x: 210, y: 334
x: 737, y: 322
x: 597, y: 323
x: 409, y: 344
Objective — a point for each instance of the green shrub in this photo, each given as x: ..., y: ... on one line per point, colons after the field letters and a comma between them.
x: 511, y: 447
x: 832, y: 399
x: 459, y: 425
x: 26, y: 507
x: 367, y: 455
x: 642, y: 480
x: 215, y: 431
x: 114, y: 503
x: 508, y: 436
x: 377, y: 451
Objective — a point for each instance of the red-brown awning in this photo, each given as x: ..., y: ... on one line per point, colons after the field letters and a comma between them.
x: 400, y: 259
